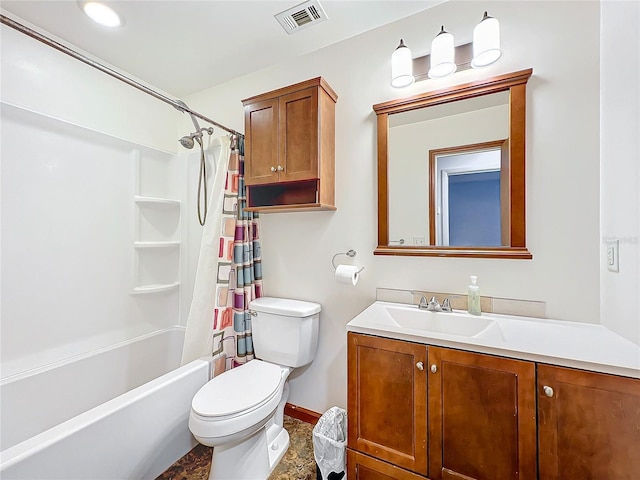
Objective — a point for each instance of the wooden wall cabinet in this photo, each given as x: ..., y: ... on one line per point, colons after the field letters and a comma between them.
x: 588, y: 425
x: 290, y: 148
x: 447, y: 415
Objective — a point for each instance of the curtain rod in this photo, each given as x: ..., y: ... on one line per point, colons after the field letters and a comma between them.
x: 92, y: 63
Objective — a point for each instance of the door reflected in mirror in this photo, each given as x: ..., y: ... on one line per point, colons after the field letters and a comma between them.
x: 466, y: 204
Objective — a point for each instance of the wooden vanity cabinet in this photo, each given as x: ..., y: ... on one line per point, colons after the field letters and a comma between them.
x: 387, y: 403
x: 290, y: 148
x: 437, y: 412
x: 482, y: 417
x: 588, y: 425
x: 364, y: 467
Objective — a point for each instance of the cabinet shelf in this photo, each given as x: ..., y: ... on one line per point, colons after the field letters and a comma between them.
x: 157, y: 288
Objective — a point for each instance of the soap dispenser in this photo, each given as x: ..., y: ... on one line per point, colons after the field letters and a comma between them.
x: 473, y: 298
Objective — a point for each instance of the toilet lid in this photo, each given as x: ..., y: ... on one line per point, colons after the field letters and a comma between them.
x: 238, y: 389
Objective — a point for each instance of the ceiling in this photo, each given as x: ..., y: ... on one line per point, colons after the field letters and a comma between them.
x: 185, y: 46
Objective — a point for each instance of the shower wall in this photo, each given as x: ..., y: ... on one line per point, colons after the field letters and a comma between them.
x: 77, y: 146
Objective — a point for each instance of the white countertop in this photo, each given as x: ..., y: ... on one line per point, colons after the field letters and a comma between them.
x: 571, y: 344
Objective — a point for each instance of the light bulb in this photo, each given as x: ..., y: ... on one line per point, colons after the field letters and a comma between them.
x: 442, y: 55
x: 401, y: 66
x: 486, y: 42
x: 102, y: 14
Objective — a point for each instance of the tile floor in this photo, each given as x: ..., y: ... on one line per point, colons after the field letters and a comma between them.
x: 297, y: 464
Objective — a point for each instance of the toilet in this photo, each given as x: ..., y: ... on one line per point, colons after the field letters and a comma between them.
x: 241, y: 411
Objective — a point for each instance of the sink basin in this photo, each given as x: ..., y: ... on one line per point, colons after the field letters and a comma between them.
x: 450, y: 323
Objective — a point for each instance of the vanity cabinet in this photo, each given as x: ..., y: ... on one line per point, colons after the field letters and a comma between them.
x: 387, y: 402
x: 482, y: 418
x: 588, y: 425
x: 364, y: 467
x: 290, y: 148
x: 437, y: 412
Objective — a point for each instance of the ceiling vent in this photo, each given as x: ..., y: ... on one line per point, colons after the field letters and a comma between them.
x: 301, y: 16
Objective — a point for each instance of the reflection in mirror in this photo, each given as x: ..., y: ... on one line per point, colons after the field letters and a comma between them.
x: 465, y: 205
x: 451, y: 171
x: 413, y: 137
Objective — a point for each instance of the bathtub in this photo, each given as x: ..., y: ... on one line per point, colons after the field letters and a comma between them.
x: 118, y: 413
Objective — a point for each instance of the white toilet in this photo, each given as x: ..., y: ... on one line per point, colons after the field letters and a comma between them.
x: 240, y: 412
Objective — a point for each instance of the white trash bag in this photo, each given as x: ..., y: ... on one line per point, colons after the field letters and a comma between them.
x: 329, y: 443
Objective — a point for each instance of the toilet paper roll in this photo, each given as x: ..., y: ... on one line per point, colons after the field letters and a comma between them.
x: 347, y: 274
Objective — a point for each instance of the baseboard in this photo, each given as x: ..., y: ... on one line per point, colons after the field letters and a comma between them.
x: 308, y: 416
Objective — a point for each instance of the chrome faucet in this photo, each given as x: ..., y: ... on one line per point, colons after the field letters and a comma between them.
x: 423, y: 304
x: 433, y: 305
x: 446, y: 304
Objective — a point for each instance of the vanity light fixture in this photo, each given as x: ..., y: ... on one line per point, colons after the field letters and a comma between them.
x: 445, y: 58
x: 401, y: 66
x: 486, y: 42
x: 443, y: 53
x: 102, y: 14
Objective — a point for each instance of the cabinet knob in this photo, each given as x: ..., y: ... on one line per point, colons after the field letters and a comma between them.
x: 548, y: 391
x: 420, y: 366
x: 434, y: 368
x: 280, y: 168
x: 273, y: 169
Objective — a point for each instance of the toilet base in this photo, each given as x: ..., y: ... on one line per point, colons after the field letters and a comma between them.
x: 253, y: 458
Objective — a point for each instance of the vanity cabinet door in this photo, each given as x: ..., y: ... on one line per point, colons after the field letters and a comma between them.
x: 588, y: 425
x: 387, y: 390
x: 364, y: 467
x: 481, y: 417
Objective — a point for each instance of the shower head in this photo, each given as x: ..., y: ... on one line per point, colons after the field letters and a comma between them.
x: 187, y: 141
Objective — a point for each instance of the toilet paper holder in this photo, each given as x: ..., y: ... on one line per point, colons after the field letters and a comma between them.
x: 350, y: 253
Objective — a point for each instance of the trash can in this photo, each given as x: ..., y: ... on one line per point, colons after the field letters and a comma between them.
x: 329, y: 444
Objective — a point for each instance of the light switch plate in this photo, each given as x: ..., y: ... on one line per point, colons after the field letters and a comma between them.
x: 613, y: 255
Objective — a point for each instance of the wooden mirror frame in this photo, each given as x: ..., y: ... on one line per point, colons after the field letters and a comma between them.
x: 516, y: 84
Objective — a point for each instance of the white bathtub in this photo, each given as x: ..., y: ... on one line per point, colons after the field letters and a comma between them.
x: 119, y: 413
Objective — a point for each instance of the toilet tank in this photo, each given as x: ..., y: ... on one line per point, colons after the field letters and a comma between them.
x: 284, y: 331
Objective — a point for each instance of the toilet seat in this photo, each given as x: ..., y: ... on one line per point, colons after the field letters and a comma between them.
x: 251, y: 385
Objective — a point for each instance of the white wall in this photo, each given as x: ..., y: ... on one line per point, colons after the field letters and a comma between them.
x: 620, y: 164
x: 68, y: 136
x: 560, y: 40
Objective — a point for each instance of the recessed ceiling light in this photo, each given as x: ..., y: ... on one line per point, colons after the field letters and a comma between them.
x: 102, y: 14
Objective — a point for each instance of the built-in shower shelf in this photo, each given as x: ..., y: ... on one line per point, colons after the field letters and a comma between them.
x: 155, y: 288
x: 172, y: 244
x: 155, y: 201
x: 156, y: 233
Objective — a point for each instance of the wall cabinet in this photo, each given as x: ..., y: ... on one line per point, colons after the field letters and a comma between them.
x: 588, y: 425
x: 418, y: 411
x: 290, y: 148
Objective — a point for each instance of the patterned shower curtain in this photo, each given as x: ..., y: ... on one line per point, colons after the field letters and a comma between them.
x: 239, y: 277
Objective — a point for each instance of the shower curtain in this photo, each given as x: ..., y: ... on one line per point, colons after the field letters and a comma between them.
x: 229, y: 273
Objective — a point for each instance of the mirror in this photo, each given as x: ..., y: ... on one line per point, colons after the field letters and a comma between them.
x: 451, y: 171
